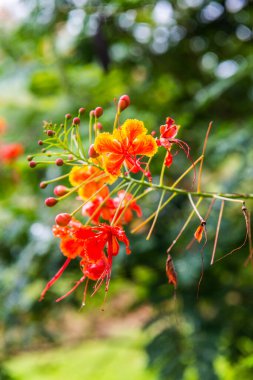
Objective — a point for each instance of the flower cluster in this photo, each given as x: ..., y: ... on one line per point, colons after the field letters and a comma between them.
x: 104, y: 179
x: 101, y: 178
x: 107, y: 178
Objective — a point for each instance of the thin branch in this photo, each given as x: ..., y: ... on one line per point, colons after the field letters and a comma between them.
x: 217, y: 231
x: 203, y: 154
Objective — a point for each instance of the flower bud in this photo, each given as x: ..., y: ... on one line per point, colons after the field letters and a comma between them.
x: 68, y: 116
x: 50, y: 202
x: 92, y: 153
x: 124, y: 102
x: 92, y: 113
x: 43, y: 185
x: 76, y: 121
x: 70, y: 157
x: 153, y: 133
x: 59, y: 161
x: 81, y: 110
x: 32, y: 164
x: 40, y: 142
x: 60, y: 190
x: 98, y: 112
x: 29, y: 158
x: 63, y: 219
x: 50, y: 133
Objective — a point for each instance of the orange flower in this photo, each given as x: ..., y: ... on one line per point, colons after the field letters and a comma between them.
x: 125, y: 144
x: 97, y: 208
x: 80, y: 174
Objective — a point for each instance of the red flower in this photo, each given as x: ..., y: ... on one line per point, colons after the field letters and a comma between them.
x: 10, y: 152
x: 95, y: 246
x: 167, y: 138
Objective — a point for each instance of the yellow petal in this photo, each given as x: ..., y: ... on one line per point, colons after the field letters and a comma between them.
x: 106, y: 143
x: 132, y: 128
x: 144, y: 145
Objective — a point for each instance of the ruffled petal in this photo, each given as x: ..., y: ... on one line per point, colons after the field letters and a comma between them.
x: 113, y: 163
x: 132, y: 128
x: 144, y: 145
x: 106, y: 143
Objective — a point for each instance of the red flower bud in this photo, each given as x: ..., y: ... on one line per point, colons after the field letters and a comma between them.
x: 92, y: 113
x: 76, y: 121
x: 153, y: 133
x: 50, y: 133
x: 29, y: 158
x: 59, y: 161
x: 92, y: 152
x: 32, y: 164
x: 50, y: 202
x: 124, y: 102
x: 63, y: 219
x: 98, y: 126
x: 60, y: 190
x: 68, y: 116
x: 40, y: 142
x: 81, y: 110
x: 98, y: 112
x: 43, y: 185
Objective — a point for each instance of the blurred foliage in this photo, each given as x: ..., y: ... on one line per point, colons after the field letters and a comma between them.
x: 189, y: 59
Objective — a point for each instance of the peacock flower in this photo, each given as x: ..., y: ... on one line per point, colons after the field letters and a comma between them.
x: 125, y: 144
x: 95, y: 247
x: 167, y: 138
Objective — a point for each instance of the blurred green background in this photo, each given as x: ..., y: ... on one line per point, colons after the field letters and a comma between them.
x: 188, y: 59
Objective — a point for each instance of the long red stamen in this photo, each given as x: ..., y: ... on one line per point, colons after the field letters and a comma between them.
x: 71, y: 290
x: 55, y: 278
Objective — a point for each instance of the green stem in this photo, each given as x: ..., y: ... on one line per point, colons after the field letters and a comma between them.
x: 229, y: 196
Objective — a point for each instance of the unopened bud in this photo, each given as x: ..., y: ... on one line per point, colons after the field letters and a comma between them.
x: 43, y: 185
x: 76, y: 121
x: 81, y: 110
x: 50, y: 202
x: 70, y: 157
x: 40, y: 142
x: 60, y: 190
x: 59, y: 161
x: 50, y: 133
x: 32, y: 164
x: 98, y: 112
x: 124, y: 102
x: 92, y: 152
x: 29, y: 158
x: 98, y: 126
x: 68, y: 116
x: 92, y: 113
x: 63, y: 219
